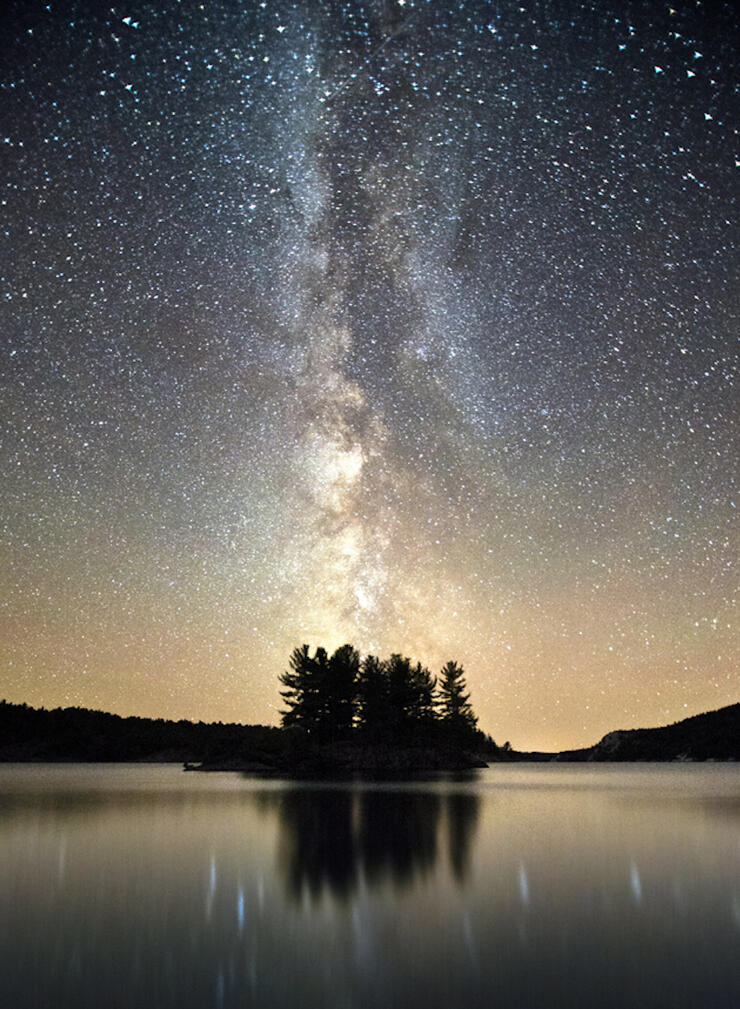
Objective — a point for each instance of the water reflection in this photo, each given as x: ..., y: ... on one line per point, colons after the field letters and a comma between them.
x: 316, y: 841
x: 332, y: 839
x: 462, y: 817
x: 145, y: 886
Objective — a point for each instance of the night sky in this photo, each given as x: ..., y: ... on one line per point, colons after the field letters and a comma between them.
x: 411, y: 325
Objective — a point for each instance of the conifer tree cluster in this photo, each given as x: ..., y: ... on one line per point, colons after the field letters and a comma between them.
x: 329, y: 697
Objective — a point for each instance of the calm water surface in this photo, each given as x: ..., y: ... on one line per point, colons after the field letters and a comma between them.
x: 542, y: 886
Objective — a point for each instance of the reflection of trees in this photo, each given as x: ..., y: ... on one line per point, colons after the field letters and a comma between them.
x: 398, y: 834
x: 316, y: 841
x: 462, y: 817
x: 330, y: 838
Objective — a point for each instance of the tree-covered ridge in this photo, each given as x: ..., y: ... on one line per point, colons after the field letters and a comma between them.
x: 80, y: 734
x: 332, y: 697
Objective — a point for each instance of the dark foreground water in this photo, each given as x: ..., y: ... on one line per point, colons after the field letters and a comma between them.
x: 127, y: 886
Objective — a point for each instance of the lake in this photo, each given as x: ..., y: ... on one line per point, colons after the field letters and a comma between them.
x: 538, y: 886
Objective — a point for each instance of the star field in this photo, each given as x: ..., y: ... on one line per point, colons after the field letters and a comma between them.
x: 406, y: 324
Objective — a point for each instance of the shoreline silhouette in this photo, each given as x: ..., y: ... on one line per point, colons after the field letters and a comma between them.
x: 37, y: 735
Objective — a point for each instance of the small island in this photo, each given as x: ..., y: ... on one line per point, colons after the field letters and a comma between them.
x: 344, y: 714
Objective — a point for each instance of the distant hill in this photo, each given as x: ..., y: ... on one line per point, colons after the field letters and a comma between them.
x: 78, y: 734
x: 714, y: 735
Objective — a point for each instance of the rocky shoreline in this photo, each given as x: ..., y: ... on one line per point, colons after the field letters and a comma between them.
x: 351, y: 758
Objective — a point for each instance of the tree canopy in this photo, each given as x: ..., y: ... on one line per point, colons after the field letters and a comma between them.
x: 330, y: 697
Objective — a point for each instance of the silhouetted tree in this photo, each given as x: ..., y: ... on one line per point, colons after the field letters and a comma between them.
x: 373, y: 701
x: 454, y: 702
x: 304, y: 683
x: 328, y: 697
x: 320, y: 691
x: 339, y: 688
x: 423, y: 686
x: 400, y: 691
x: 410, y: 693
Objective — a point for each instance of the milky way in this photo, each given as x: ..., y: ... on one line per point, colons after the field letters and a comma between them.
x: 409, y: 325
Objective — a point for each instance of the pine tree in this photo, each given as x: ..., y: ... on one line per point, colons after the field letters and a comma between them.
x: 423, y: 685
x: 328, y: 696
x: 339, y: 688
x: 320, y: 691
x: 372, y: 695
x: 400, y: 692
x: 410, y: 694
x: 304, y: 684
x: 455, y: 709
